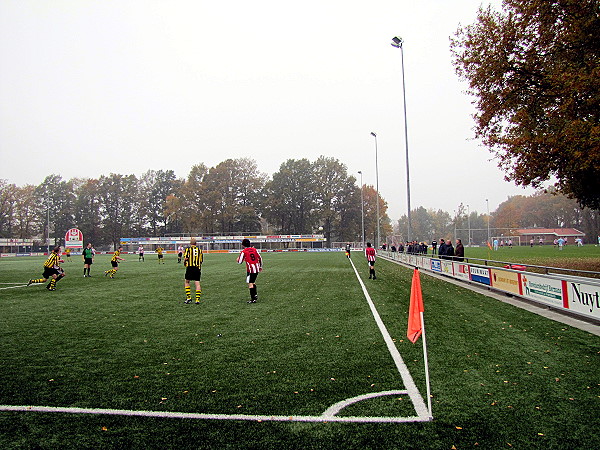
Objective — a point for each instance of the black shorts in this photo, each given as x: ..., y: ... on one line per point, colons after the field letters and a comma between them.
x: 251, y: 277
x: 193, y: 273
x: 49, y: 271
x: 88, y: 261
x: 179, y: 254
x: 114, y: 263
x: 160, y: 256
x: 372, y: 263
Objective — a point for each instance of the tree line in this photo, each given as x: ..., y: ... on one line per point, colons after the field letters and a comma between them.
x: 233, y: 197
x: 544, y: 209
x: 532, y: 69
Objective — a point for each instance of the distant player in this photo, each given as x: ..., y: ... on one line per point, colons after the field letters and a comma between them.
x: 160, y: 251
x: 192, y: 260
x: 88, y: 260
x: 68, y: 254
x: 141, y: 253
x: 52, y: 270
x: 114, y: 262
x: 179, y: 254
x: 348, y: 248
x: 253, y: 261
x: 371, y: 256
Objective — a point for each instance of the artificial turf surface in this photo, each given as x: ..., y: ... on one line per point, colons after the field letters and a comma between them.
x: 501, y: 377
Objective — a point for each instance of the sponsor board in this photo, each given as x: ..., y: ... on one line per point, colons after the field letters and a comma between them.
x: 583, y: 298
x: 505, y: 280
x: 480, y: 274
x: 542, y: 289
x: 461, y: 271
x: 436, y: 265
x: 447, y: 268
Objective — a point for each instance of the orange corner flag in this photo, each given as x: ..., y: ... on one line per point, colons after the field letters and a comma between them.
x: 415, y: 309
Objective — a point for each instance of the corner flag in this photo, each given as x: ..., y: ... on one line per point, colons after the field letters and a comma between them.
x: 415, y: 309
x: 416, y: 326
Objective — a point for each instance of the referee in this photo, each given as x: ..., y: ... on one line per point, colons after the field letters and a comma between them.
x: 192, y: 260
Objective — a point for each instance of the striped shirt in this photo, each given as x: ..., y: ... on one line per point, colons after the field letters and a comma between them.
x: 53, y: 261
x: 116, y: 256
x: 192, y: 256
x: 252, y: 259
x: 370, y: 254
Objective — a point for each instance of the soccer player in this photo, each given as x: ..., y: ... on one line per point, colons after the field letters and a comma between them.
x: 114, y: 262
x: 141, y: 253
x: 88, y: 259
x: 68, y: 254
x: 348, y: 248
x: 192, y: 260
x: 370, y: 254
x: 52, y: 270
x: 160, y: 251
x: 179, y: 254
x: 253, y: 267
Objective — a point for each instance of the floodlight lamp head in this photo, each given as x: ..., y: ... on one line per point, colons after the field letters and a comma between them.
x: 373, y: 134
x: 397, y: 42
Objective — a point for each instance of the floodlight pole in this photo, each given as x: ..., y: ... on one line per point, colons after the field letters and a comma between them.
x: 377, y: 188
x: 469, y: 225
x: 362, y: 210
x: 488, y: 217
x: 397, y: 42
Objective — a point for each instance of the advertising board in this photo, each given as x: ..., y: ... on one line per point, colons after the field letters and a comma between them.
x: 480, y: 274
x: 505, y: 280
x: 542, y: 289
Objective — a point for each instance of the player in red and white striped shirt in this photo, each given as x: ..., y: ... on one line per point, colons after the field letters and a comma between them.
x: 253, y: 261
x: 371, y: 256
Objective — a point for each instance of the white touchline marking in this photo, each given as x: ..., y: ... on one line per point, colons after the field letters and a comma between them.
x: 12, y: 287
x: 413, y: 391
x: 182, y: 415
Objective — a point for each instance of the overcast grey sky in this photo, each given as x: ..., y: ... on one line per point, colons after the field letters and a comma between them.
x: 93, y: 87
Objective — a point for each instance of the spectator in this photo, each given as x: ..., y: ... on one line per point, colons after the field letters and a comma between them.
x: 459, y: 252
x: 449, y: 250
x: 442, y: 249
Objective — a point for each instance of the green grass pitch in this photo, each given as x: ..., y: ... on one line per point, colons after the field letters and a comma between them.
x: 500, y: 376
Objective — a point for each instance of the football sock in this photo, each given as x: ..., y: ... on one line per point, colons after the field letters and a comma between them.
x: 188, y: 292
x: 198, y: 295
x: 52, y: 283
x: 39, y: 280
x: 253, y: 292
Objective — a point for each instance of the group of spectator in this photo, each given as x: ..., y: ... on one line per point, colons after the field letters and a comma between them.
x: 445, y: 250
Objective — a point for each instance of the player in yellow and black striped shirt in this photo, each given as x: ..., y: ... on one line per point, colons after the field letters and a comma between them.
x: 52, y: 270
x: 192, y: 260
x: 114, y: 262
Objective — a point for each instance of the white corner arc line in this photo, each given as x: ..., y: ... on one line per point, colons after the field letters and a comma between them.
x: 337, y: 407
x: 413, y: 391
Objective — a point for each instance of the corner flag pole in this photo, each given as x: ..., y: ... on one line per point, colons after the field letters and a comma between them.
x: 426, y: 366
